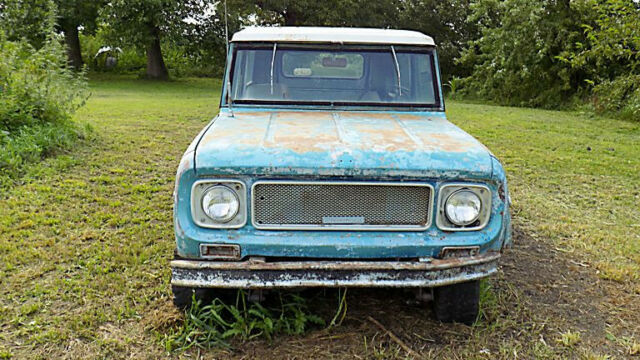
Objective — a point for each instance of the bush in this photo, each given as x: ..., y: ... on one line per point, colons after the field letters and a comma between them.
x: 38, y: 95
x: 516, y: 59
x: 620, y: 97
x: 36, y: 87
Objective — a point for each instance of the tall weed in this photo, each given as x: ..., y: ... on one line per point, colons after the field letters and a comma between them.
x: 215, y: 324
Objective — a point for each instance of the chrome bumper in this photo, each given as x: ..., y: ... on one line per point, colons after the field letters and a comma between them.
x: 292, y: 274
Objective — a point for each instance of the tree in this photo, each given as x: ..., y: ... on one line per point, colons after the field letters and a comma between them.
x: 517, y: 60
x: 610, y: 57
x: 144, y: 23
x: 362, y: 13
x: 613, y: 42
x: 31, y: 20
x: 71, y: 15
x: 446, y: 22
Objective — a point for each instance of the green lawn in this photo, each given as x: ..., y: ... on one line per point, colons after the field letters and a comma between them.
x: 85, y: 243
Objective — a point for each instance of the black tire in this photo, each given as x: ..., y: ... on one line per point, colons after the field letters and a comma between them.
x: 457, y: 303
x: 183, y: 296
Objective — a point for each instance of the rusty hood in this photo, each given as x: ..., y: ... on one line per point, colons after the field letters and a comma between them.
x: 339, y: 143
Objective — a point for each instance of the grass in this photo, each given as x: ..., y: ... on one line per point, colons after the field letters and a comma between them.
x: 86, y: 240
x: 31, y: 144
x: 212, y: 325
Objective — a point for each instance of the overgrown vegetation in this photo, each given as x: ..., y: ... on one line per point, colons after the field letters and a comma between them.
x: 212, y: 325
x: 612, y: 57
x: 38, y: 95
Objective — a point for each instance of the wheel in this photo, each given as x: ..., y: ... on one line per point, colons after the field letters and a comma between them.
x: 183, y: 296
x: 457, y: 303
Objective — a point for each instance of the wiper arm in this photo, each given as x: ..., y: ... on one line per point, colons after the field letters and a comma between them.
x: 273, y: 59
x: 395, y: 59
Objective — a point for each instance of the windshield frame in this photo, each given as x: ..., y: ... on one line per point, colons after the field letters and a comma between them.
x: 437, y: 105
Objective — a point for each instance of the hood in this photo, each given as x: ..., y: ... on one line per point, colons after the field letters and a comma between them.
x: 340, y: 143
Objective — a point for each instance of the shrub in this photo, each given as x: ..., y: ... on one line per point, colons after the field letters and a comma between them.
x: 38, y: 95
x: 36, y: 88
x: 620, y: 97
x: 516, y: 59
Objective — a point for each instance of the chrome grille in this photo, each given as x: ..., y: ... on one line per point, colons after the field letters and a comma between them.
x: 341, y: 205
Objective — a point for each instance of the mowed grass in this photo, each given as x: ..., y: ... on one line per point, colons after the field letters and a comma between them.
x: 85, y: 246
x: 85, y: 243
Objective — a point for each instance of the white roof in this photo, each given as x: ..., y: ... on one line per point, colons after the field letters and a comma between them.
x: 332, y: 35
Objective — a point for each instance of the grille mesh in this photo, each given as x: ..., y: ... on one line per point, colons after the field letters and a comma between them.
x: 355, y: 205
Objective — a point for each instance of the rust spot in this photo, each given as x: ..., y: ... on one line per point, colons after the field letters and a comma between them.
x: 445, y: 142
x: 435, y: 264
x: 303, y: 131
x: 386, y: 135
x: 363, y: 115
x: 410, y: 117
x: 322, y: 131
x: 246, y: 128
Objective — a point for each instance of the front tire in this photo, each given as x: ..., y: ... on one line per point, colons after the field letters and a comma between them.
x: 457, y: 303
x: 183, y: 296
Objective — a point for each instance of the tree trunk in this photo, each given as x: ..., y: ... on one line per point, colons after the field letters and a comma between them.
x: 290, y: 17
x: 74, y: 55
x: 156, y: 68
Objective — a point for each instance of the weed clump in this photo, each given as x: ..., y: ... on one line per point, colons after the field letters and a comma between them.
x: 213, y: 325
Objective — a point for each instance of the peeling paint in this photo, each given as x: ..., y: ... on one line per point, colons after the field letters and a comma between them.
x: 351, y: 143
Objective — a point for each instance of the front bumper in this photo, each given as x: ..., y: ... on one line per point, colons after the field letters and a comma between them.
x: 291, y: 274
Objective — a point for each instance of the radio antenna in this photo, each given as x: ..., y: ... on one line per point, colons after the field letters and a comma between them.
x: 226, y: 27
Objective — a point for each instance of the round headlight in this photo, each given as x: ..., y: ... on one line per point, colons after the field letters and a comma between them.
x: 220, y: 203
x: 463, y: 207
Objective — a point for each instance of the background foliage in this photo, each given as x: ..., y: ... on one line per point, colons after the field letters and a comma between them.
x: 38, y: 93
x: 549, y: 53
x: 611, y: 57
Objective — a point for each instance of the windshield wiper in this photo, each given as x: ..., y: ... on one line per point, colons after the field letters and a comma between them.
x: 395, y: 59
x: 273, y: 59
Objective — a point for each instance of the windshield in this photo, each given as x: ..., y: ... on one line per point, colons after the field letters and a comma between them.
x: 334, y: 75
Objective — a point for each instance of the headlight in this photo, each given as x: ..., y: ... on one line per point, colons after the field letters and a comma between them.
x: 463, y: 207
x: 220, y: 203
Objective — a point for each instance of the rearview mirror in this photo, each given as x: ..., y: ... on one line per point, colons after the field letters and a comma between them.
x: 334, y: 62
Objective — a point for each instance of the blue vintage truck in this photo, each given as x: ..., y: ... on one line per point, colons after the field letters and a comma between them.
x: 331, y: 164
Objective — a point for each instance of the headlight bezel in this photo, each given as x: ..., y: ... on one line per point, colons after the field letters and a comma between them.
x: 199, y: 216
x: 444, y: 193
